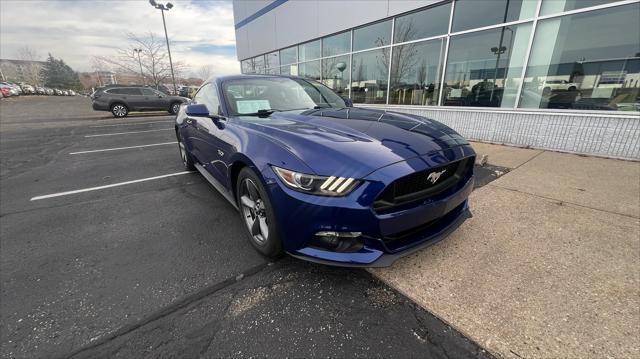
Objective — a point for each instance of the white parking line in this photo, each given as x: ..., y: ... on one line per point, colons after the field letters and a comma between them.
x: 131, y: 124
x: 109, y: 186
x: 124, y: 148
x: 126, y: 133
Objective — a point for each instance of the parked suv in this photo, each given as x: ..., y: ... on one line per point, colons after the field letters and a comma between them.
x: 120, y: 100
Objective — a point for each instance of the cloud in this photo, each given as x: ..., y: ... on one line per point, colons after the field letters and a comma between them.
x: 201, y: 32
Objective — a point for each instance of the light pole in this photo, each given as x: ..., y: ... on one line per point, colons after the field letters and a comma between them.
x: 138, y: 51
x: 162, y: 8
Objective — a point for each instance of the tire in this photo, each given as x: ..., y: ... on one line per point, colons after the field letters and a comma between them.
x: 187, y: 160
x: 119, y: 110
x: 572, y: 88
x: 256, y: 212
x: 174, y: 108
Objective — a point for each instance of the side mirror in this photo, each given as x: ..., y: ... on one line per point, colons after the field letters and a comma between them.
x: 197, y: 110
x: 348, y: 102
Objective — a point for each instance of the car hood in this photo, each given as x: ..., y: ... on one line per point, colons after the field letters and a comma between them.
x: 353, y: 141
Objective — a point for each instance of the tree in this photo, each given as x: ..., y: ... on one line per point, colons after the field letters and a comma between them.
x: 154, y: 58
x: 56, y: 73
x: 31, y: 70
x: 204, y: 72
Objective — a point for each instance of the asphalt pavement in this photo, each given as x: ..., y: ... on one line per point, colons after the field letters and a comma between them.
x: 107, y: 249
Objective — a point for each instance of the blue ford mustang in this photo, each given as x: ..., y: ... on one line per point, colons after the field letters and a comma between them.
x: 315, y: 177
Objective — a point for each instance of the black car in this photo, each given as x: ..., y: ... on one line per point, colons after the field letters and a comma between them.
x: 120, y: 100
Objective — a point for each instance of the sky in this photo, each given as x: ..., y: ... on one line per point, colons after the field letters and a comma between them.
x: 201, y: 32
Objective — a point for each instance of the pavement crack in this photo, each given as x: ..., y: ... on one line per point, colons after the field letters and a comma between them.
x: 167, y: 310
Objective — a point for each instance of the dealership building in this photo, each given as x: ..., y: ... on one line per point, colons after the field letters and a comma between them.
x: 553, y: 74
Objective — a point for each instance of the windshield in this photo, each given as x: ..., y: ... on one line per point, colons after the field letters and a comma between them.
x: 250, y: 95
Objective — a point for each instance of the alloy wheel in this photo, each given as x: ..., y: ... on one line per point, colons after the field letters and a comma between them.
x: 253, y: 211
x: 175, y: 108
x: 119, y: 110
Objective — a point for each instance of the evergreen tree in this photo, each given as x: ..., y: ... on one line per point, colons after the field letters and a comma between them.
x: 57, y: 74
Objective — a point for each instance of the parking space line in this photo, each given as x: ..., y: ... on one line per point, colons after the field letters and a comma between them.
x: 59, y: 194
x: 130, y: 124
x: 126, y: 133
x: 123, y: 148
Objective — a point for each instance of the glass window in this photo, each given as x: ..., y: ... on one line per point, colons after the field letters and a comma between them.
x: 149, y: 92
x: 131, y: 91
x: 247, y: 66
x: 249, y: 95
x: 288, y: 55
x: 310, y: 70
x: 275, y: 71
x: 272, y: 60
x: 470, y: 14
x: 208, y: 96
x: 309, y: 51
x: 419, y: 25
x: 415, y: 73
x: 336, y: 44
x: 556, y: 6
x: 258, y: 63
x: 587, y: 61
x: 369, y: 76
x: 335, y: 74
x: 484, y: 68
x: 289, y: 70
x: 374, y: 35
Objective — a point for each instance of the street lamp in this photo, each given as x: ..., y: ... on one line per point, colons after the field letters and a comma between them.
x: 138, y: 51
x: 162, y: 8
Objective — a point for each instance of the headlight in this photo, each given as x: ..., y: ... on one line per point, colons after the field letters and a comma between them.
x: 320, y: 185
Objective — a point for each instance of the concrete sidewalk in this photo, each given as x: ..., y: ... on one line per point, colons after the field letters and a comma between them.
x: 548, y: 267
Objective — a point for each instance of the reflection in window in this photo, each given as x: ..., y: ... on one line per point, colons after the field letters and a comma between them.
x: 289, y: 70
x: 484, y: 68
x: 556, y: 6
x: 258, y: 64
x: 310, y: 70
x: 246, y: 66
x: 374, y: 35
x: 415, y: 73
x: 288, y: 55
x: 336, y: 44
x: 419, y: 25
x: 335, y: 74
x: 471, y: 14
x: 588, y: 61
x: 274, y: 71
x: 309, y: 51
x: 369, y: 76
x: 272, y: 60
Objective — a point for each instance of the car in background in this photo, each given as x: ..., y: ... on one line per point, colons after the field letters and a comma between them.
x: 324, y: 181
x: 27, y: 89
x: 15, y: 89
x: 48, y: 91
x: 57, y: 92
x: 188, y: 91
x: 40, y: 90
x: 7, y: 91
x: 72, y: 93
x: 555, y: 85
x: 120, y: 100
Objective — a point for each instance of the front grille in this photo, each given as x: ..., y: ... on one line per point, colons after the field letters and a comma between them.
x: 418, y: 186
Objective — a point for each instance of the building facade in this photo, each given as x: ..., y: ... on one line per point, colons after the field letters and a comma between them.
x: 553, y: 74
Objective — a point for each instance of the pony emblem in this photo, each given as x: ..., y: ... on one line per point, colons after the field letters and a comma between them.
x: 435, y: 176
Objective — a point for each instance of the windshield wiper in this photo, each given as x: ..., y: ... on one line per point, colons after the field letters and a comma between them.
x: 262, y: 113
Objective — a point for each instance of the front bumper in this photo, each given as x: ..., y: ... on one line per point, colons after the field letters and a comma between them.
x: 300, y: 216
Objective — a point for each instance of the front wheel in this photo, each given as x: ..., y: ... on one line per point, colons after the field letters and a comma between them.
x: 119, y: 110
x: 257, y: 214
x: 174, y: 108
x: 187, y: 161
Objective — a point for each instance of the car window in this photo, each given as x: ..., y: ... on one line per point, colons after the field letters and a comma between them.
x: 115, y: 91
x: 132, y: 91
x: 245, y: 96
x: 149, y: 92
x: 208, y: 96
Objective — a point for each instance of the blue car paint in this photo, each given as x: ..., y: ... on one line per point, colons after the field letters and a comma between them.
x: 373, y: 145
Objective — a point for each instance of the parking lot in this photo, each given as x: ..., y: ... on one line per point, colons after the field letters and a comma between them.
x: 110, y: 249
